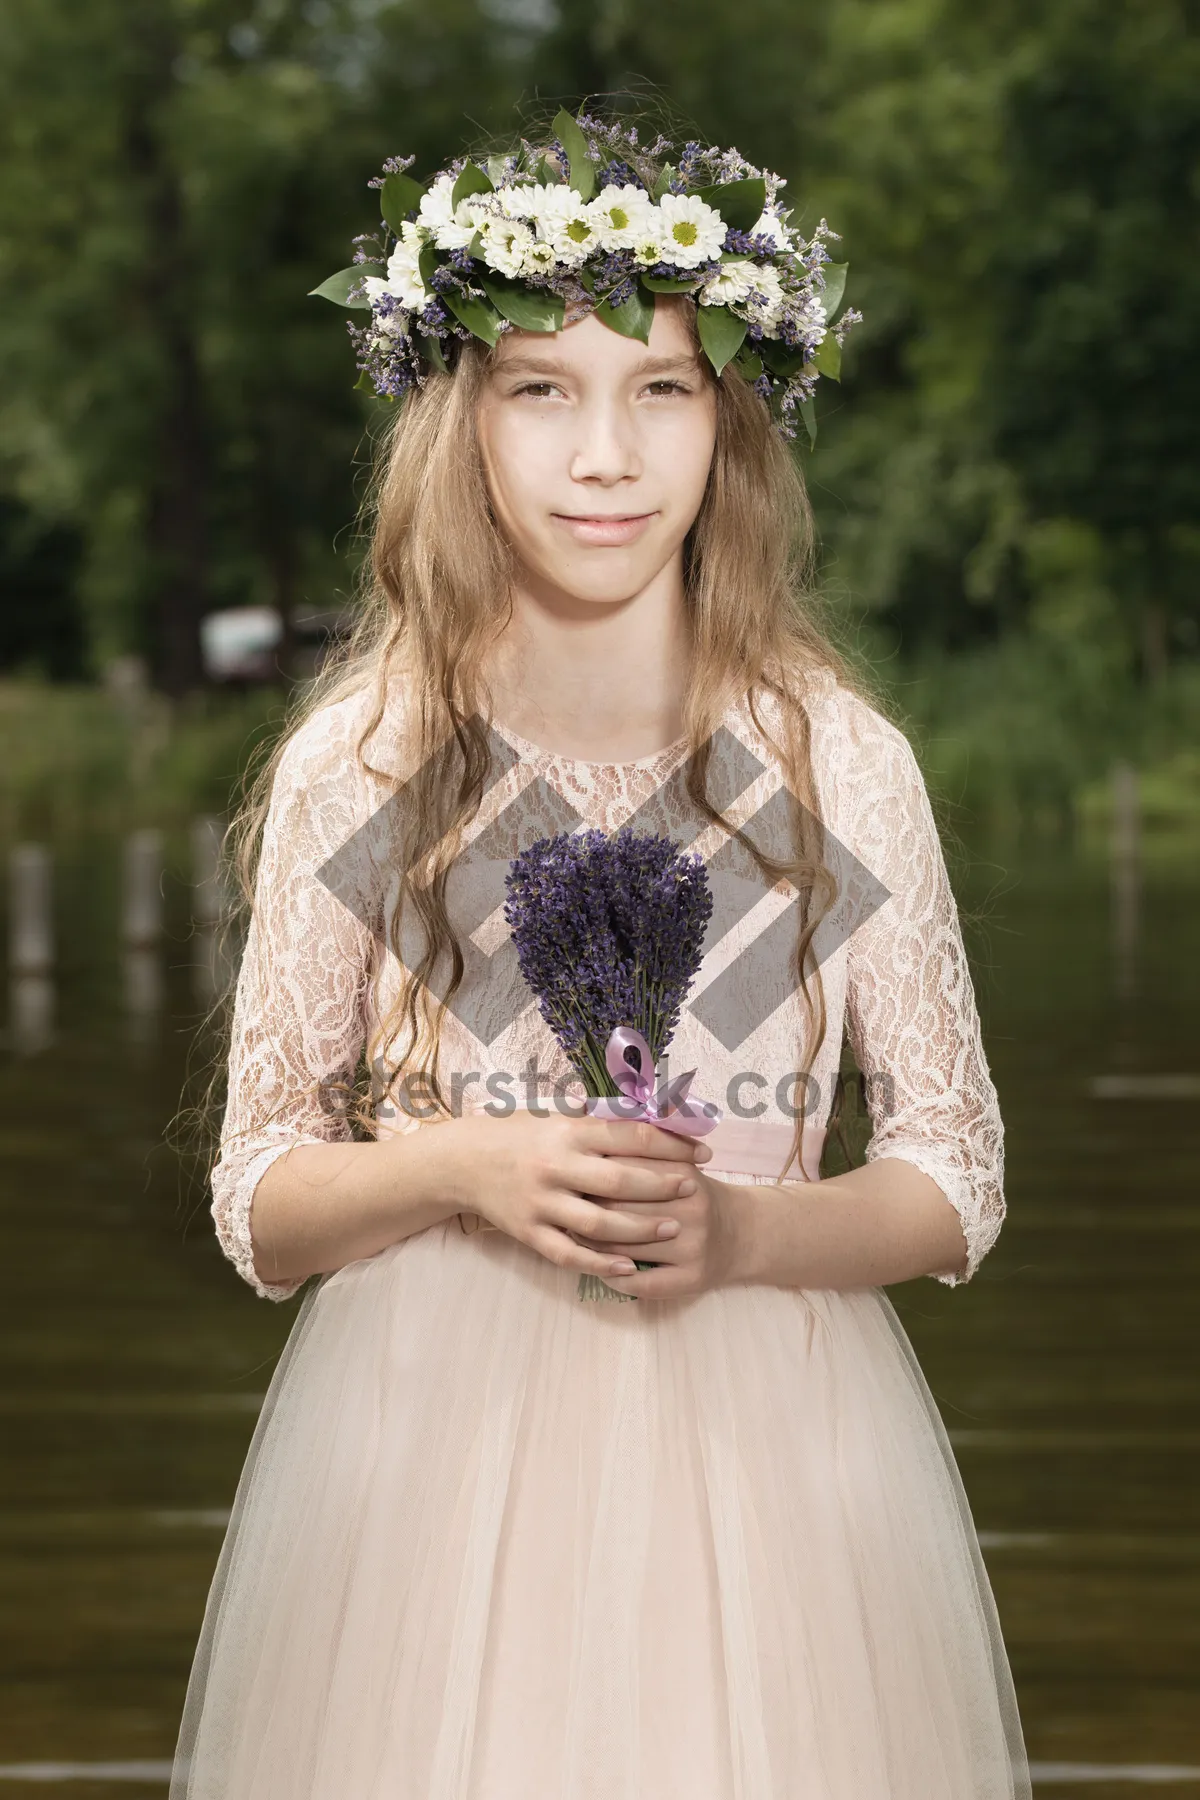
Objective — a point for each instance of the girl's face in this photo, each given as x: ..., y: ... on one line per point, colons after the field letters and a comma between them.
x: 596, y: 450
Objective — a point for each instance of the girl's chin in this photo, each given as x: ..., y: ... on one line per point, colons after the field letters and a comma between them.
x: 596, y: 578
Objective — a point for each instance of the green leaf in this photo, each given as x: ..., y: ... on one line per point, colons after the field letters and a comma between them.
x: 740, y: 203
x: 835, y: 287
x: 475, y: 314
x: 632, y: 319
x: 583, y: 169
x: 808, y: 413
x: 668, y: 284
x: 496, y: 165
x: 472, y: 180
x: 432, y: 350
x: 748, y: 363
x: 530, y: 309
x: 427, y: 262
x: 338, y: 286
x: 662, y: 185
x: 399, y: 196
x: 722, y: 334
x: 828, y: 357
x: 364, y: 384
x: 780, y: 360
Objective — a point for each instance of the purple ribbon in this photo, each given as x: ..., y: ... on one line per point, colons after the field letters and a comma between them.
x: 639, y: 1098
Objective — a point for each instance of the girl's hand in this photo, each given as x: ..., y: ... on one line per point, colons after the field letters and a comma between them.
x: 587, y: 1194
x: 705, y: 1251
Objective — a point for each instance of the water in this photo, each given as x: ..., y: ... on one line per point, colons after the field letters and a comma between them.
x: 1067, y: 1372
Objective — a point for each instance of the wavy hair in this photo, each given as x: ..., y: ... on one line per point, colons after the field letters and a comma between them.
x: 435, y: 592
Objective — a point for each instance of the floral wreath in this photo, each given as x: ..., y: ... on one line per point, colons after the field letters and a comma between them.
x: 595, y: 222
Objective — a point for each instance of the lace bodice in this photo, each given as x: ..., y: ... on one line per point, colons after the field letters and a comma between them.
x: 315, y: 978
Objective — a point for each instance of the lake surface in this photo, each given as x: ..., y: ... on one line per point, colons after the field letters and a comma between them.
x: 1068, y: 1371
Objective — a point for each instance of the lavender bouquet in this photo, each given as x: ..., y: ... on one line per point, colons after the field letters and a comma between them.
x: 609, y: 933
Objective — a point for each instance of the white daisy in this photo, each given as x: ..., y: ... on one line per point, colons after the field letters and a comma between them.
x: 403, y: 277
x: 734, y: 281
x: 571, y: 230
x: 435, y: 212
x: 766, y: 285
x: 647, y: 246
x: 534, y: 200
x: 506, y: 244
x: 621, y: 216
x: 692, y: 232
x: 451, y: 227
x: 539, y: 257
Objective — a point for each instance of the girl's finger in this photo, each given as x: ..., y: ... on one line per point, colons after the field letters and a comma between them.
x: 581, y: 1216
x: 560, y: 1248
x: 621, y: 1178
x: 637, y: 1137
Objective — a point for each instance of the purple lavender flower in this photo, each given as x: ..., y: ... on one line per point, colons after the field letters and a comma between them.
x: 608, y: 931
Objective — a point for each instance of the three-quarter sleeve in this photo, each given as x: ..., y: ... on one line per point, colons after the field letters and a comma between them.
x: 298, y: 1021
x: 910, y: 1008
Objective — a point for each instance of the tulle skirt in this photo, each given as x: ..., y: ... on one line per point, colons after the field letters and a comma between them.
x: 493, y: 1542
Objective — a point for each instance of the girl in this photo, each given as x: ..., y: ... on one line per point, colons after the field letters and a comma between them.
x: 492, y: 1542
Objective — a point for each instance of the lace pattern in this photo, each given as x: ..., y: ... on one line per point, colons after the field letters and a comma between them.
x: 895, y: 977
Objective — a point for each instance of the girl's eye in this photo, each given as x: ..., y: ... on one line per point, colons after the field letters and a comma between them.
x: 538, y: 390
x: 669, y: 387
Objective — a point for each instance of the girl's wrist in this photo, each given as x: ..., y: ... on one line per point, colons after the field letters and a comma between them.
x: 748, y: 1230
x: 437, y: 1165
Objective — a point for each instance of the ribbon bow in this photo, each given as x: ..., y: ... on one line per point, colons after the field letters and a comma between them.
x: 639, y: 1099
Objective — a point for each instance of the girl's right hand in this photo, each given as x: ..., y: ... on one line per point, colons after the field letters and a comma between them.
x: 541, y: 1179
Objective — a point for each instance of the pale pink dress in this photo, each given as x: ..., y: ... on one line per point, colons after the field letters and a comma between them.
x: 493, y: 1542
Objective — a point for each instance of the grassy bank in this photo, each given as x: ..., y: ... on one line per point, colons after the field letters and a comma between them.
x: 1008, y: 745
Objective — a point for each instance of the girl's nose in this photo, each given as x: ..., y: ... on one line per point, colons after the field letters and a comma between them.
x: 606, y: 449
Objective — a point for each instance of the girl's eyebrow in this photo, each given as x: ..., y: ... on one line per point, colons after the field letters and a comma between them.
x: 530, y: 363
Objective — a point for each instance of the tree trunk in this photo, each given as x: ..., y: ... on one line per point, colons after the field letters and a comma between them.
x: 179, y: 477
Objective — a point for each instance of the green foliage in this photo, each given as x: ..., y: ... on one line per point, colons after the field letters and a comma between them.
x: 1012, y: 460
x: 528, y: 309
x: 337, y: 287
x: 740, y: 203
x: 633, y: 318
x: 582, y: 169
x: 721, y: 333
x: 399, y: 197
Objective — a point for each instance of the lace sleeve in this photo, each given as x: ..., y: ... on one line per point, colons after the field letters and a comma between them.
x: 298, y: 1016
x: 911, y: 1014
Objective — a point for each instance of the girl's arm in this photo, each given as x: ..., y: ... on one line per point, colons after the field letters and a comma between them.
x: 293, y: 1194
x: 298, y: 1021
x: 930, y: 1197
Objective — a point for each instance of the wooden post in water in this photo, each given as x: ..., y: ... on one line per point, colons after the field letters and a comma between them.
x: 31, y: 947
x: 31, y: 936
x: 1126, y: 849
x: 142, y: 923
x: 141, y: 897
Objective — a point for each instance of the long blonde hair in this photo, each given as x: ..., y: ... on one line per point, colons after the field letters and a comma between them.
x: 434, y: 596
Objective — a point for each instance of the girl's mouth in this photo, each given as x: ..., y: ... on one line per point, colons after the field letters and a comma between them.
x: 600, y: 529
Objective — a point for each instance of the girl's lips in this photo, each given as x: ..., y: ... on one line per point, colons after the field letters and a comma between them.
x: 596, y: 529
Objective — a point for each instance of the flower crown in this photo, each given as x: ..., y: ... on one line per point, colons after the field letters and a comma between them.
x: 598, y: 223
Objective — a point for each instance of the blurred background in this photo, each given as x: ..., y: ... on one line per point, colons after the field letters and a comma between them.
x: 1008, y: 491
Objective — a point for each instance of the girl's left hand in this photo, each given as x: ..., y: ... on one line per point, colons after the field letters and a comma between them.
x: 703, y: 1252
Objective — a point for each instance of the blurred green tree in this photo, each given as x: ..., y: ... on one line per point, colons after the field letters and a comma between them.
x: 1015, y: 445
x: 176, y: 175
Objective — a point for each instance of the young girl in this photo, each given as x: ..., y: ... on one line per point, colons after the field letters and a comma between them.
x: 493, y: 1541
